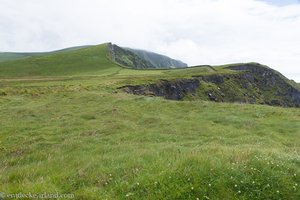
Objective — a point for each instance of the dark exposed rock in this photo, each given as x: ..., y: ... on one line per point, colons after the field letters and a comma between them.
x: 254, y: 84
x: 139, y: 59
x: 127, y: 58
x: 212, y: 97
x: 270, y: 81
x: 158, y: 60
x: 174, y: 90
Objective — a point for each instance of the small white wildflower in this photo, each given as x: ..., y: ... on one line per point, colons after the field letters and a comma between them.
x: 129, y: 194
x: 138, y: 183
x: 296, y: 184
x: 253, y: 182
x: 277, y: 191
x: 235, y: 185
x: 242, y: 181
x: 239, y: 191
x: 295, y: 174
x: 209, y: 185
x: 192, y: 188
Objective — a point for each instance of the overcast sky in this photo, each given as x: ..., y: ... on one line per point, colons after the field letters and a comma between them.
x: 195, y: 31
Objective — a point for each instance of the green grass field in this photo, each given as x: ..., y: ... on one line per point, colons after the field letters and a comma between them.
x: 66, y: 128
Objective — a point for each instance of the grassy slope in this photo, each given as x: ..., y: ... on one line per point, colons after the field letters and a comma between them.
x: 87, y: 61
x: 9, y: 56
x: 100, y: 143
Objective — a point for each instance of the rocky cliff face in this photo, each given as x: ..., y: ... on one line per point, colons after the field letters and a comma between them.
x: 169, y: 89
x: 127, y: 59
x: 254, y: 84
x: 158, y: 60
x: 139, y: 59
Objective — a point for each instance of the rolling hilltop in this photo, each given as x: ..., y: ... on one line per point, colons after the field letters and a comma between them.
x: 81, y: 60
x: 107, y: 122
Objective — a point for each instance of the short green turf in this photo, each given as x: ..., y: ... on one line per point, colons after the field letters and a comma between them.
x: 68, y: 129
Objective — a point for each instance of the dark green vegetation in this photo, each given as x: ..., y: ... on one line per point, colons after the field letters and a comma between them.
x: 140, y: 59
x: 69, y: 129
x: 157, y: 60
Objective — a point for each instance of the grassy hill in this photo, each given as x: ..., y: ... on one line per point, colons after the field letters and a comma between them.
x: 87, y: 61
x: 67, y: 128
x: 83, y: 60
x: 8, y: 56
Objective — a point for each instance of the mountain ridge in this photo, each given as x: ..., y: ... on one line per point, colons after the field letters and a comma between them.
x: 158, y: 60
x: 142, y: 59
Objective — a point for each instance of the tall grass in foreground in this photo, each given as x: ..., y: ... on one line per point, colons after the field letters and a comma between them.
x: 81, y: 137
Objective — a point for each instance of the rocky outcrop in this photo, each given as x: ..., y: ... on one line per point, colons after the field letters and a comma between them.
x: 158, y: 60
x: 126, y: 58
x: 254, y: 84
x: 271, y: 83
x: 169, y: 89
x: 139, y: 59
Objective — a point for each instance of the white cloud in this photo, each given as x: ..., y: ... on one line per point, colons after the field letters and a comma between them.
x: 195, y: 31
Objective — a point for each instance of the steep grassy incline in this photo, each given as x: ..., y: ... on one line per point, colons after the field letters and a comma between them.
x: 83, y: 61
x: 127, y: 58
x: 158, y: 60
x: 140, y: 59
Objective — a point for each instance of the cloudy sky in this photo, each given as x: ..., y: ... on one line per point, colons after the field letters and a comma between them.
x: 195, y: 31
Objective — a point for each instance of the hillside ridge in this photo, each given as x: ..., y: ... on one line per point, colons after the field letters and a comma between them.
x: 141, y: 59
x: 158, y: 60
x: 254, y: 84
